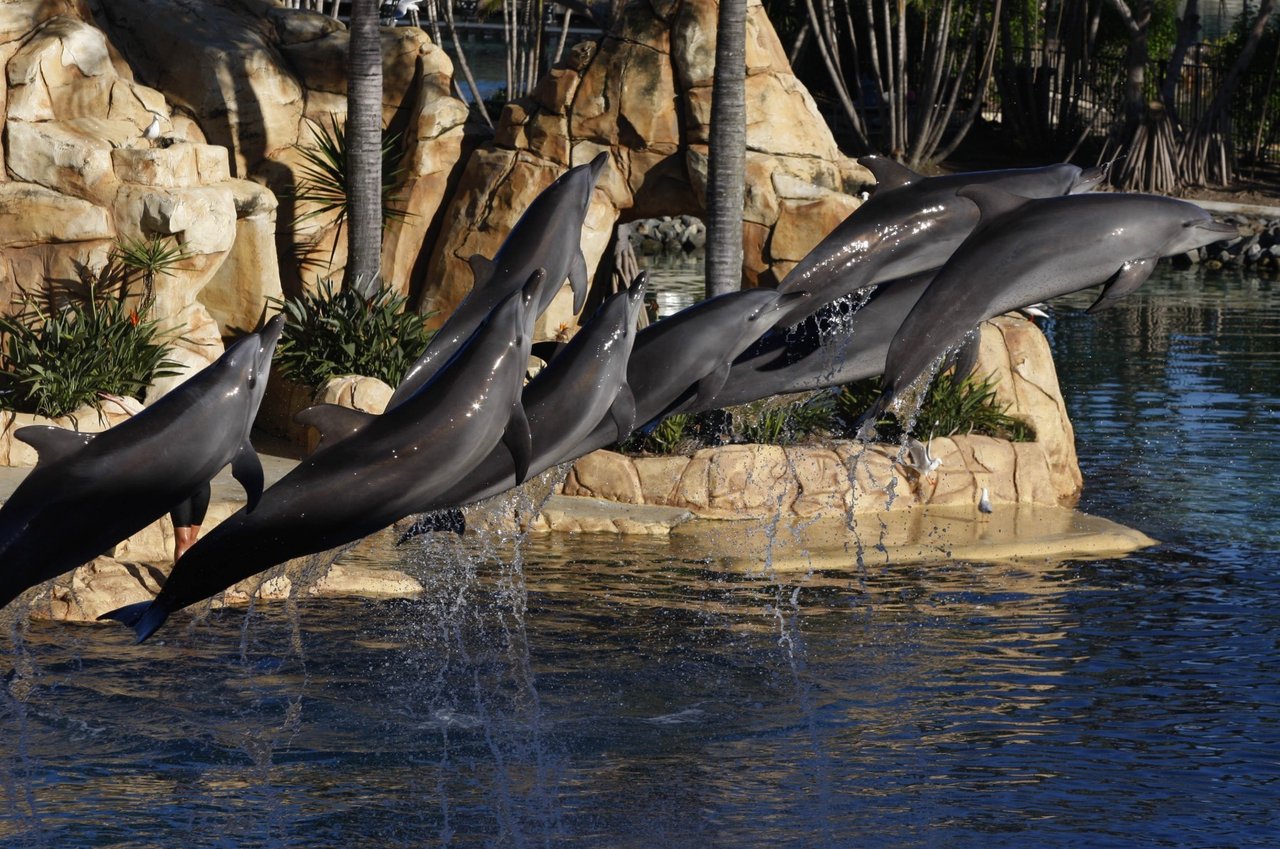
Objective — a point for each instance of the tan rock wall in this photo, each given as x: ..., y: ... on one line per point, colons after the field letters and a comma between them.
x: 643, y: 94
x: 847, y: 478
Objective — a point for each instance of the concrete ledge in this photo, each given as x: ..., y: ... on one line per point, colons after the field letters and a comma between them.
x: 921, y: 535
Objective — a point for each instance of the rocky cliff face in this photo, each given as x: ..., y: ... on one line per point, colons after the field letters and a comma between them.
x: 235, y: 86
x: 643, y: 93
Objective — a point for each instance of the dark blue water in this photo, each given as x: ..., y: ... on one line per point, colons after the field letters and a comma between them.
x: 586, y: 692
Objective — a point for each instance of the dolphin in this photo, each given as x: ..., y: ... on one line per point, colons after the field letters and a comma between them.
x: 89, y: 492
x: 1027, y: 251
x: 583, y: 384
x: 852, y: 347
x: 688, y: 355
x: 547, y: 236
x: 380, y: 473
x: 911, y: 224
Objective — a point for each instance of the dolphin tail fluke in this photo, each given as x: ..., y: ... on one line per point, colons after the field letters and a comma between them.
x: 129, y: 615
x: 145, y: 617
x: 1130, y: 276
x: 519, y: 442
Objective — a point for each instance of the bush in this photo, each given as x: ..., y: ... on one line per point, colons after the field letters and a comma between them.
x: 949, y: 408
x: 81, y: 342
x: 334, y: 332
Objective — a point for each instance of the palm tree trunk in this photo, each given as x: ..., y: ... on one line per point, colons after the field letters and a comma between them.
x: 727, y: 151
x: 364, y: 149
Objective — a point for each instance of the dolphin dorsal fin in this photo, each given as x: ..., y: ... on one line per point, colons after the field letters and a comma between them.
x: 334, y: 422
x: 481, y: 270
x: 889, y: 174
x: 52, y: 443
x: 991, y: 202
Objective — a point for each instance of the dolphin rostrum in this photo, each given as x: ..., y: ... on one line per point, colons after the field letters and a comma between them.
x: 89, y: 492
x: 548, y: 236
x: 911, y: 224
x: 1027, y: 251
x: 375, y: 476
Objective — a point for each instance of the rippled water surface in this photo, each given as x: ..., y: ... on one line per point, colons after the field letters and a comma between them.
x: 582, y: 692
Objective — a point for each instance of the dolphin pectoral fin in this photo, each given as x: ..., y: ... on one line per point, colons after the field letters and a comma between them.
x: 246, y: 468
x: 481, y: 270
x: 1130, y: 276
x: 710, y: 385
x: 519, y: 442
x: 334, y: 422
x: 889, y: 174
x: 623, y: 411
x: 578, y: 280
x: 52, y: 443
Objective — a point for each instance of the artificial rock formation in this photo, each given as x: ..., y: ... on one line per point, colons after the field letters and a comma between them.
x: 79, y: 177
x: 259, y: 80
x: 843, y: 478
x: 643, y: 94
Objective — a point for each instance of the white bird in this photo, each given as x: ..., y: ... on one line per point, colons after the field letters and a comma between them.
x: 407, y: 7
x: 921, y: 459
x: 984, y: 502
x: 152, y: 132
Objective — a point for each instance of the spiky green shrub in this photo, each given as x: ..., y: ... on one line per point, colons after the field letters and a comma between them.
x: 335, y: 331
x: 322, y: 182
x: 950, y: 407
x: 145, y: 260
x: 82, y: 339
x: 773, y: 423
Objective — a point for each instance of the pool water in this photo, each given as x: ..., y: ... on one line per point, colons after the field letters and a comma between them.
x: 586, y: 691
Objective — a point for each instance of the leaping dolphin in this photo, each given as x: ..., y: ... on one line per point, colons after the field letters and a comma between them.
x: 1027, y: 251
x: 585, y: 383
x: 375, y: 476
x: 547, y: 236
x: 89, y: 492
x: 911, y: 224
x: 687, y: 355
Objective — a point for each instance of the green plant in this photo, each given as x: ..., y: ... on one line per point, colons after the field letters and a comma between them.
x: 87, y: 337
x: 773, y: 423
x: 334, y: 331
x: 323, y: 175
x: 949, y: 407
x: 147, y: 259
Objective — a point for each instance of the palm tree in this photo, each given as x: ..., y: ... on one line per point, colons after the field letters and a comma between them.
x: 364, y: 150
x: 727, y: 151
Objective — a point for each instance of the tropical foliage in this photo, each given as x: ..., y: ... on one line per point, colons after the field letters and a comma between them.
x: 337, y: 331
x: 82, y: 339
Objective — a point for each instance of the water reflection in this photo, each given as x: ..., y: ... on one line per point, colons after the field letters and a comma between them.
x: 586, y: 692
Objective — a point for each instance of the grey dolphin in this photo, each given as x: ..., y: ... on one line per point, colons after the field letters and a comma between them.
x: 591, y: 370
x: 911, y: 224
x: 548, y: 235
x: 379, y: 474
x: 1026, y: 251
x: 688, y: 354
x: 853, y: 349
x: 585, y: 384
x: 88, y: 492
